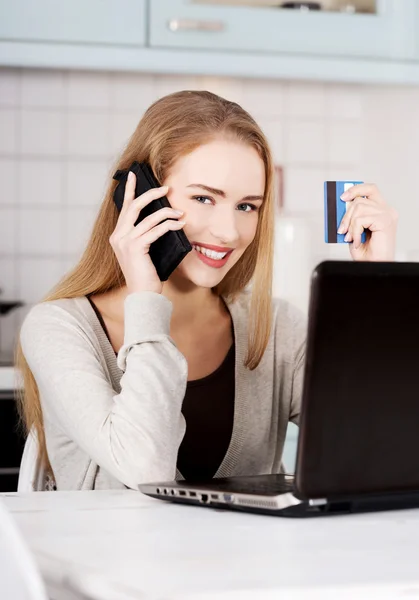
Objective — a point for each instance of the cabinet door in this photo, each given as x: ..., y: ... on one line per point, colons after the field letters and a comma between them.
x: 386, y: 33
x: 75, y: 21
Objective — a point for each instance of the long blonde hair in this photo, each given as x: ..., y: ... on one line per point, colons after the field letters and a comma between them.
x: 172, y: 127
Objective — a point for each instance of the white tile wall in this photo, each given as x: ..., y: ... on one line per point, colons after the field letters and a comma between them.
x: 88, y: 134
x: 132, y: 93
x: 60, y: 133
x: 41, y: 182
x: 85, y: 182
x: 40, y: 231
x: 88, y: 90
x: 41, y: 132
x: 305, y: 186
x: 305, y: 142
x: 344, y: 102
x: 8, y: 219
x: 274, y: 132
x: 8, y: 278
x: 36, y: 276
x: 122, y: 126
x: 9, y: 88
x: 264, y: 100
x: 344, y: 143
x: 8, y: 129
x: 77, y: 228
x: 305, y: 100
x: 43, y: 89
x: 172, y: 83
x: 8, y: 178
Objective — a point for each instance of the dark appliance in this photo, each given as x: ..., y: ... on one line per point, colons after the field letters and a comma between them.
x: 11, y: 438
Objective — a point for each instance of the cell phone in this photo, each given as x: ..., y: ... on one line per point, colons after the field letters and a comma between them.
x: 171, y: 248
x: 334, y: 210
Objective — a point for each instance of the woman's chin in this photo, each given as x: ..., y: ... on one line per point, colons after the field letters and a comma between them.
x: 201, y: 276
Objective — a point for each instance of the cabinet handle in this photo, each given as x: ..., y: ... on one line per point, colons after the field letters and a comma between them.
x: 194, y: 25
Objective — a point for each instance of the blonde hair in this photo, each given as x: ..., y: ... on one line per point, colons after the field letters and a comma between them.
x: 172, y: 127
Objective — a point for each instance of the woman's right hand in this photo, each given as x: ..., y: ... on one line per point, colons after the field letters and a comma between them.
x: 131, y: 244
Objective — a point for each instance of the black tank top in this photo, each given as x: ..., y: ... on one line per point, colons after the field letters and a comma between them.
x: 208, y: 408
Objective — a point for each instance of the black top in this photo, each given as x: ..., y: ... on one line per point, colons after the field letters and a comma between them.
x: 208, y: 408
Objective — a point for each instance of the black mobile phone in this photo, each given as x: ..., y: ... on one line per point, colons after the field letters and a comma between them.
x: 171, y: 248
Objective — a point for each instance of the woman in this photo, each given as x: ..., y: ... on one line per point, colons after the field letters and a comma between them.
x: 118, y: 366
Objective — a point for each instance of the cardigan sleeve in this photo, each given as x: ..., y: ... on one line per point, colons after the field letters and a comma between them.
x: 299, y: 336
x: 297, y: 383
x: 134, y: 434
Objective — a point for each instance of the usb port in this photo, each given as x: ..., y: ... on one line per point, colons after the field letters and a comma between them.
x: 182, y: 493
x: 192, y: 494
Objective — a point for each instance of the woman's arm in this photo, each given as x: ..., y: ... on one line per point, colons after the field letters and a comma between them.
x: 135, y: 434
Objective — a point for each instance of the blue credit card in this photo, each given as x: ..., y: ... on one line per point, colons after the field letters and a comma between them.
x: 335, y: 209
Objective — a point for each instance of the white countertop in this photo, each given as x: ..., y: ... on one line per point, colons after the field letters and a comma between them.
x: 121, y: 544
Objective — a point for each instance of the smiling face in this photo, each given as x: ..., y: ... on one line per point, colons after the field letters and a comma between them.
x: 220, y: 188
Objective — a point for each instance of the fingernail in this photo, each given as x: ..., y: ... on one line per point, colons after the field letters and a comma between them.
x: 130, y: 176
x: 341, y: 229
x: 344, y: 196
x: 347, y: 237
x: 179, y: 212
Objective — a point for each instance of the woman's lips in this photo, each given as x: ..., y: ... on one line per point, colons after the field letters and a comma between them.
x: 211, y: 262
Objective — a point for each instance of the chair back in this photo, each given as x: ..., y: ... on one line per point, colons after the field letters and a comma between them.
x: 31, y: 474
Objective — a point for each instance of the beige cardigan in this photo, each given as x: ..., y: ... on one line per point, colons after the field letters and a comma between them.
x: 113, y: 421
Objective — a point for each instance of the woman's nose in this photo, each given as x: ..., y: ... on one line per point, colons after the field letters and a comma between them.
x: 223, y: 226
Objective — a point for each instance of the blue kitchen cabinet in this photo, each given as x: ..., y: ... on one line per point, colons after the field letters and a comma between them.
x: 95, y: 22
x: 389, y: 33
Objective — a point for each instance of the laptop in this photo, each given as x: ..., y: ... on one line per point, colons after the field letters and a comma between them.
x: 358, y: 444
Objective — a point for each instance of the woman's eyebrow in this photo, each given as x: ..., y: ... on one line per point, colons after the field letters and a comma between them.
x: 220, y: 192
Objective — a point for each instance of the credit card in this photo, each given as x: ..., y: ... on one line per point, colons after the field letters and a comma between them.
x: 335, y: 209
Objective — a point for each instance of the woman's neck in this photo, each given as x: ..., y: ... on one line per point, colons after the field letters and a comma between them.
x: 192, y: 308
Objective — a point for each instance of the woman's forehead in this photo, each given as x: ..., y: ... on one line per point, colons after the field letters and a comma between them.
x: 226, y: 166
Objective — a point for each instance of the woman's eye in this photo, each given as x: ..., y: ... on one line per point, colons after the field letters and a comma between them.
x: 247, y: 207
x: 251, y: 207
x: 199, y: 198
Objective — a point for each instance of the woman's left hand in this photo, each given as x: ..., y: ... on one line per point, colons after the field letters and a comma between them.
x: 368, y: 211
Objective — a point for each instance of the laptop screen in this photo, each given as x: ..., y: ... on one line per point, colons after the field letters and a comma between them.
x: 360, y: 410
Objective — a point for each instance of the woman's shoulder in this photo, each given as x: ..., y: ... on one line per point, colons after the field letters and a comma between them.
x: 48, y: 317
x: 284, y: 313
x: 288, y: 327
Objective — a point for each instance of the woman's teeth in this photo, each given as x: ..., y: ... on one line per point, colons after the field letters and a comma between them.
x: 210, y: 253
